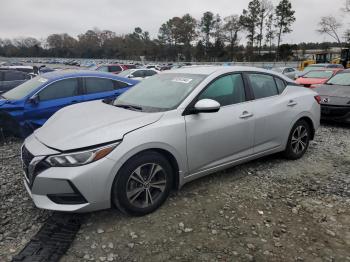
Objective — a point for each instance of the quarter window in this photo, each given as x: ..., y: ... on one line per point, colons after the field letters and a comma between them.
x: 120, y: 85
x: 262, y: 85
x: 226, y: 90
x: 60, y: 89
x: 281, y: 85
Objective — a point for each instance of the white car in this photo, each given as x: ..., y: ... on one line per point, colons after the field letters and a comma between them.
x: 138, y: 74
x: 164, y: 132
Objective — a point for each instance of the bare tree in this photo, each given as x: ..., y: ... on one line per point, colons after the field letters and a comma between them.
x: 266, y: 8
x: 330, y: 26
x: 231, y: 28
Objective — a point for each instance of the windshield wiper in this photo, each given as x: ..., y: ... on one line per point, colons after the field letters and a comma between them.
x: 137, y: 108
x: 3, y: 97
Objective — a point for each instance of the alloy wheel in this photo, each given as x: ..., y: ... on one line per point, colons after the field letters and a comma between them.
x: 146, y: 185
x: 299, y: 139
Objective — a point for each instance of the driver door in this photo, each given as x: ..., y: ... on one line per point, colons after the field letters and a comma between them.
x: 51, y: 99
x: 215, y: 139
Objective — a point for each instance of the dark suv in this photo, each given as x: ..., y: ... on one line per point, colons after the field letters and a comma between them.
x: 11, y: 78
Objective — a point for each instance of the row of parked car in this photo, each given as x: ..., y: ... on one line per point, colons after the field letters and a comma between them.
x: 27, y: 107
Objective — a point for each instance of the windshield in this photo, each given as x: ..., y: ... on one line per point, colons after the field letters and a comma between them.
x: 125, y: 73
x: 318, y: 74
x: 342, y: 79
x: 161, y: 92
x: 24, y: 89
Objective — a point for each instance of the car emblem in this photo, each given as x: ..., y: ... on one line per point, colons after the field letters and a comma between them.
x: 325, y: 100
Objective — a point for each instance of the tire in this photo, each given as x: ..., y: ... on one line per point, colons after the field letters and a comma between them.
x: 143, y: 184
x: 298, y: 140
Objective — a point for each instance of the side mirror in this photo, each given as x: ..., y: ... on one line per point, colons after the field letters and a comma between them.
x: 206, y: 106
x: 34, y: 100
x: 130, y: 76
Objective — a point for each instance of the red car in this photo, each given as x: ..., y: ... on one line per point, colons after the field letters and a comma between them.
x: 112, y: 68
x: 316, y: 77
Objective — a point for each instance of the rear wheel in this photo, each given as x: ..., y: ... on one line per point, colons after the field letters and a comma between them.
x: 298, y: 141
x: 143, y: 184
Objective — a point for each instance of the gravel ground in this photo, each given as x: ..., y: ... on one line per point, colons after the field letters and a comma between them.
x: 266, y: 210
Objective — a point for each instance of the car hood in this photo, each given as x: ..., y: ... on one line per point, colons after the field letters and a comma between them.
x: 2, y: 102
x: 91, y: 123
x: 333, y: 90
x: 11, y: 104
x: 310, y: 81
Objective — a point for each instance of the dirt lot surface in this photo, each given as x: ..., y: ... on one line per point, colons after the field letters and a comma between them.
x: 266, y: 210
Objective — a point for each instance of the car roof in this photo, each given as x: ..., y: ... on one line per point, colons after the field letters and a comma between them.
x: 59, y: 74
x: 208, y: 70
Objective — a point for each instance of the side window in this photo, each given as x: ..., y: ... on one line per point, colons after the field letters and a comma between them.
x: 13, y: 76
x: 98, y: 85
x: 115, y: 69
x: 60, y: 89
x: 281, y: 85
x: 262, y: 85
x: 150, y: 72
x: 226, y: 90
x: 138, y: 73
x: 120, y: 85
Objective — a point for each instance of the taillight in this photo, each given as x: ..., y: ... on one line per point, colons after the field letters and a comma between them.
x: 318, y: 99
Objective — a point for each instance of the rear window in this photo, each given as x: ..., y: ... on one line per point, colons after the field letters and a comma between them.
x: 115, y: 69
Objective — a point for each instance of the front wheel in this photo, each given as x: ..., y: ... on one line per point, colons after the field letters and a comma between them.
x: 298, y: 141
x: 143, y: 184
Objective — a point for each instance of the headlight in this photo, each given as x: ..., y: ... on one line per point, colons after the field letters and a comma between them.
x: 80, y: 158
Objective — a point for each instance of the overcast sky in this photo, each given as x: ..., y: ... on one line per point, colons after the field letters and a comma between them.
x: 39, y: 18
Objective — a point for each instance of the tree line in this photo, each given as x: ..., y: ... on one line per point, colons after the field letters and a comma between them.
x: 211, y: 38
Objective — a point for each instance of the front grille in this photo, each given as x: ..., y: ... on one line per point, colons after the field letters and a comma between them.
x: 36, y: 168
x: 27, y: 157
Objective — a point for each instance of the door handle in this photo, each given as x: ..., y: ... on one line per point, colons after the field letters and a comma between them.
x: 75, y: 101
x: 245, y: 114
x: 292, y: 103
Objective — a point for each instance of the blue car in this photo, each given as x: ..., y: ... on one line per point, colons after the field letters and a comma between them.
x: 27, y: 107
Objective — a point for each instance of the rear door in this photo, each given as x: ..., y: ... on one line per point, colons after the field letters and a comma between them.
x: 272, y: 109
x: 215, y: 139
x: 52, y: 98
x: 102, y: 88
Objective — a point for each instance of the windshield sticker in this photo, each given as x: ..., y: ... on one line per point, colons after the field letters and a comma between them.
x: 182, y: 80
x: 42, y: 80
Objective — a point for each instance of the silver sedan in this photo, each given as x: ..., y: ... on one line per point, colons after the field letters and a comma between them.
x: 164, y: 132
